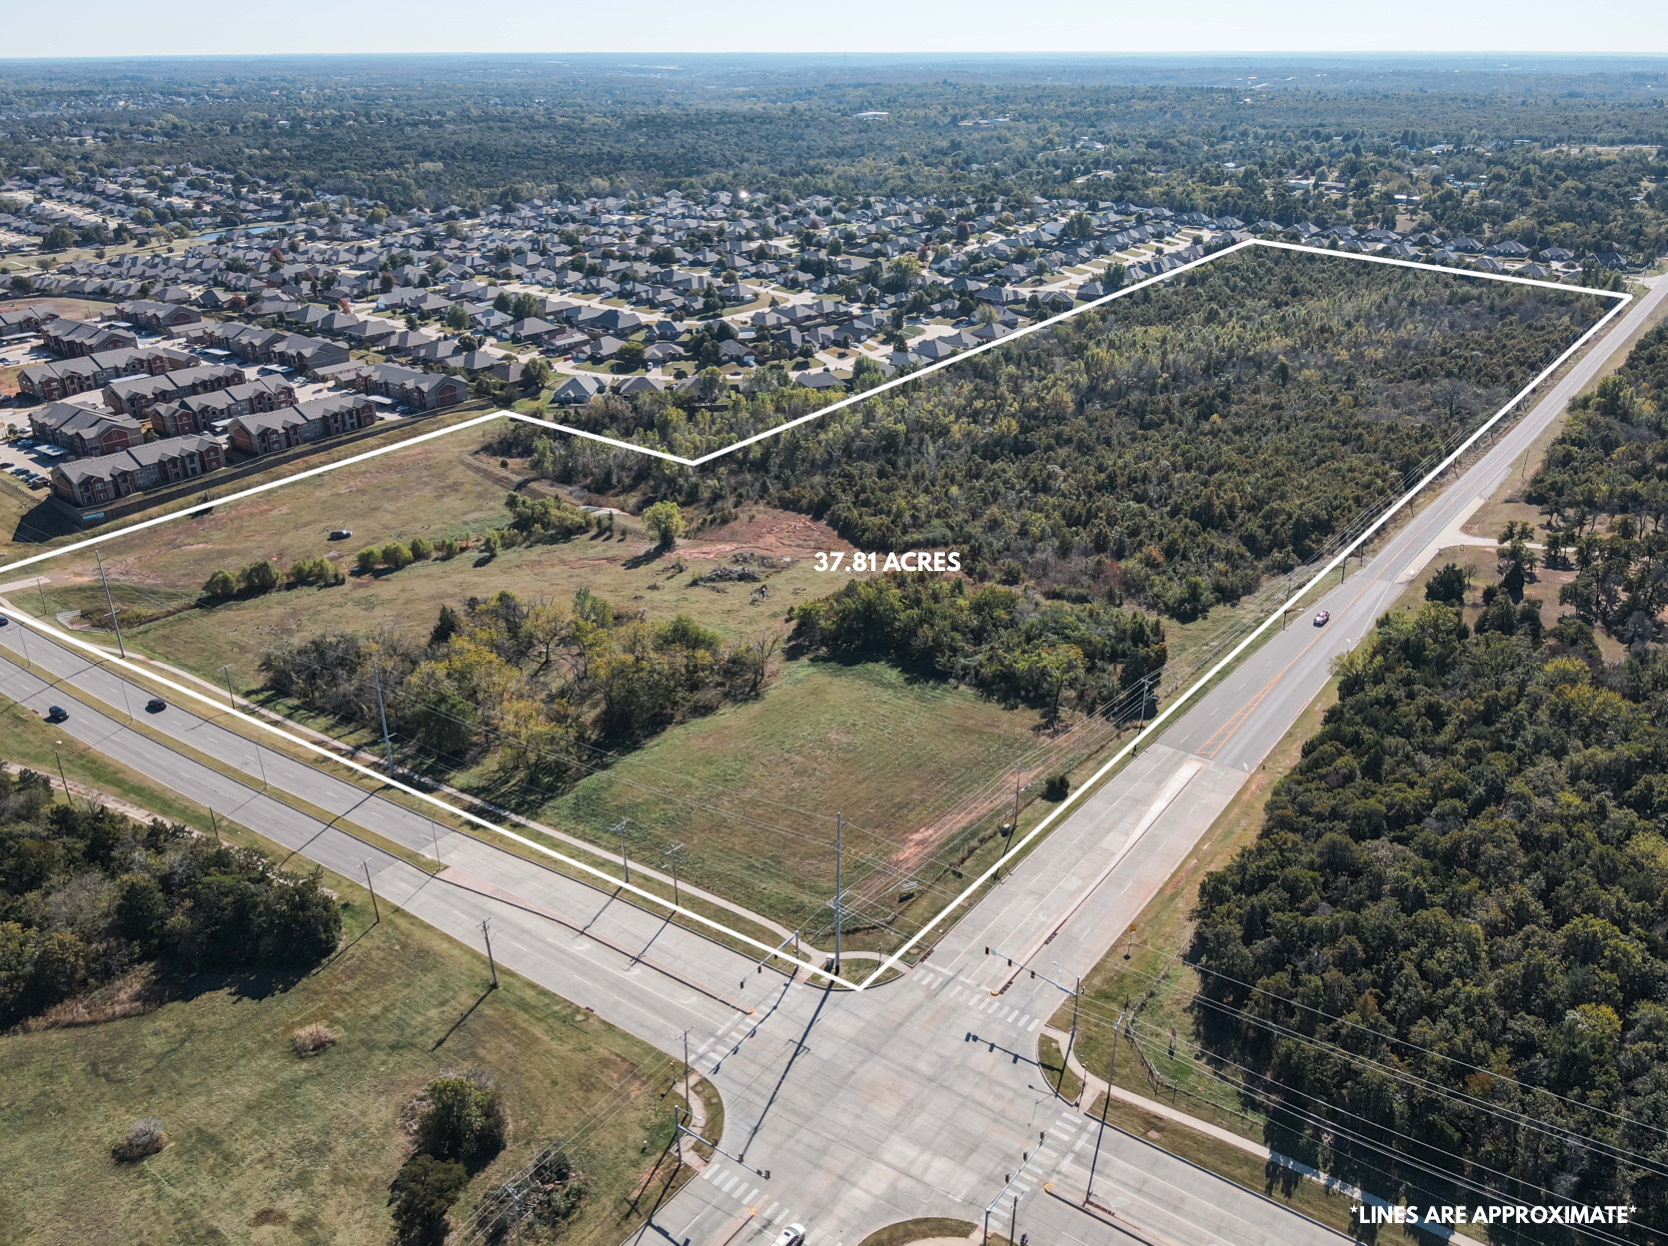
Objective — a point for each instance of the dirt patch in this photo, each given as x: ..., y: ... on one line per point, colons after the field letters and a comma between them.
x: 768, y: 531
x: 268, y: 1216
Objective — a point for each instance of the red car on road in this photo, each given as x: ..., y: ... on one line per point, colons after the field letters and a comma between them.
x: 1322, y: 618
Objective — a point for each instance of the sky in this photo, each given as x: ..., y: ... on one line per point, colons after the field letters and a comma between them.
x: 244, y: 27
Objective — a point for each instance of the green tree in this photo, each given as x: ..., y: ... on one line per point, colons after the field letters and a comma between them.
x: 421, y: 1195
x: 1449, y: 585
x: 259, y: 577
x: 365, y: 561
x: 463, y: 1120
x: 664, y: 520
x: 220, y: 585
x: 395, y: 555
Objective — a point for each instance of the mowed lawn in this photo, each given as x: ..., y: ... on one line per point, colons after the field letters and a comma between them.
x: 266, y: 1147
x: 752, y: 790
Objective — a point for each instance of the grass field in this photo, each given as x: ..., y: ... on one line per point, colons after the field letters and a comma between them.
x: 752, y: 790
x: 267, y: 1147
x: 443, y: 488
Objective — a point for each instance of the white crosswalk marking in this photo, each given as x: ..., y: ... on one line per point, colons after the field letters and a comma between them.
x: 1033, y: 1026
x: 728, y: 1182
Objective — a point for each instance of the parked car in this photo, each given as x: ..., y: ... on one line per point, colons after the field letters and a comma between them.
x: 1322, y: 618
x: 341, y: 534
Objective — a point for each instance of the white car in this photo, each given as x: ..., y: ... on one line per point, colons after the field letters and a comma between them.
x: 793, y: 1235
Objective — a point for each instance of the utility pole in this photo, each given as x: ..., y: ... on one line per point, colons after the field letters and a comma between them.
x: 387, y: 744
x: 486, y: 933
x: 230, y: 699
x: 1013, y: 1224
x: 57, y: 745
x: 839, y: 884
x: 1111, y: 1069
x: 434, y: 828
x: 687, y: 1088
x: 215, y: 823
x: 375, y: 907
x: 625, y: 862
x: 111, y: 602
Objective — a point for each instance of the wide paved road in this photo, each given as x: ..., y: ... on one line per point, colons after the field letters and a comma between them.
x: 919, y: 1097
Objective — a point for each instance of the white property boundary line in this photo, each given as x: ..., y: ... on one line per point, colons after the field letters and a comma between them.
x: 102, y: 655
x: 831, y: 408
x: 1187, y: 695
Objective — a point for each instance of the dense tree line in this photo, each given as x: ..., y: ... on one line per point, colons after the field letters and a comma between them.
x: 1448, y: 940
x: 1173, y: 447
x: 1604, y: 490
x: 994, y: 639
x: 87, y: 894
x: 537, y: 689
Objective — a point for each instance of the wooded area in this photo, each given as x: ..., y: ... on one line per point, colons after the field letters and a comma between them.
x: 87, y: 894
x: 1170, y: 449
x: 1604, y: 491
x: 540, y: 690
x: 1441, y: 967
x: 473, y: 133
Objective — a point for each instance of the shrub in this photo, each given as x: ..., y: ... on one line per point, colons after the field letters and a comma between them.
x: 1055, y: 787
x: 448, y: 547
x: 463, y: 1119
x: 365, y: 561
x: 259, y: 577
x: 146, y: 1137
x: 421, y: 548
x: 320, y: 571
x: 220, y: 585
x: 396, y: 555
x: 421, y: 1195
x: 311, y: 1039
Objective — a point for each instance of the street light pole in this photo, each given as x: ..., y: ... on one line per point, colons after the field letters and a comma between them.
x: 486, y: 933
x: 625, y: 862
x: 839, y: 884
